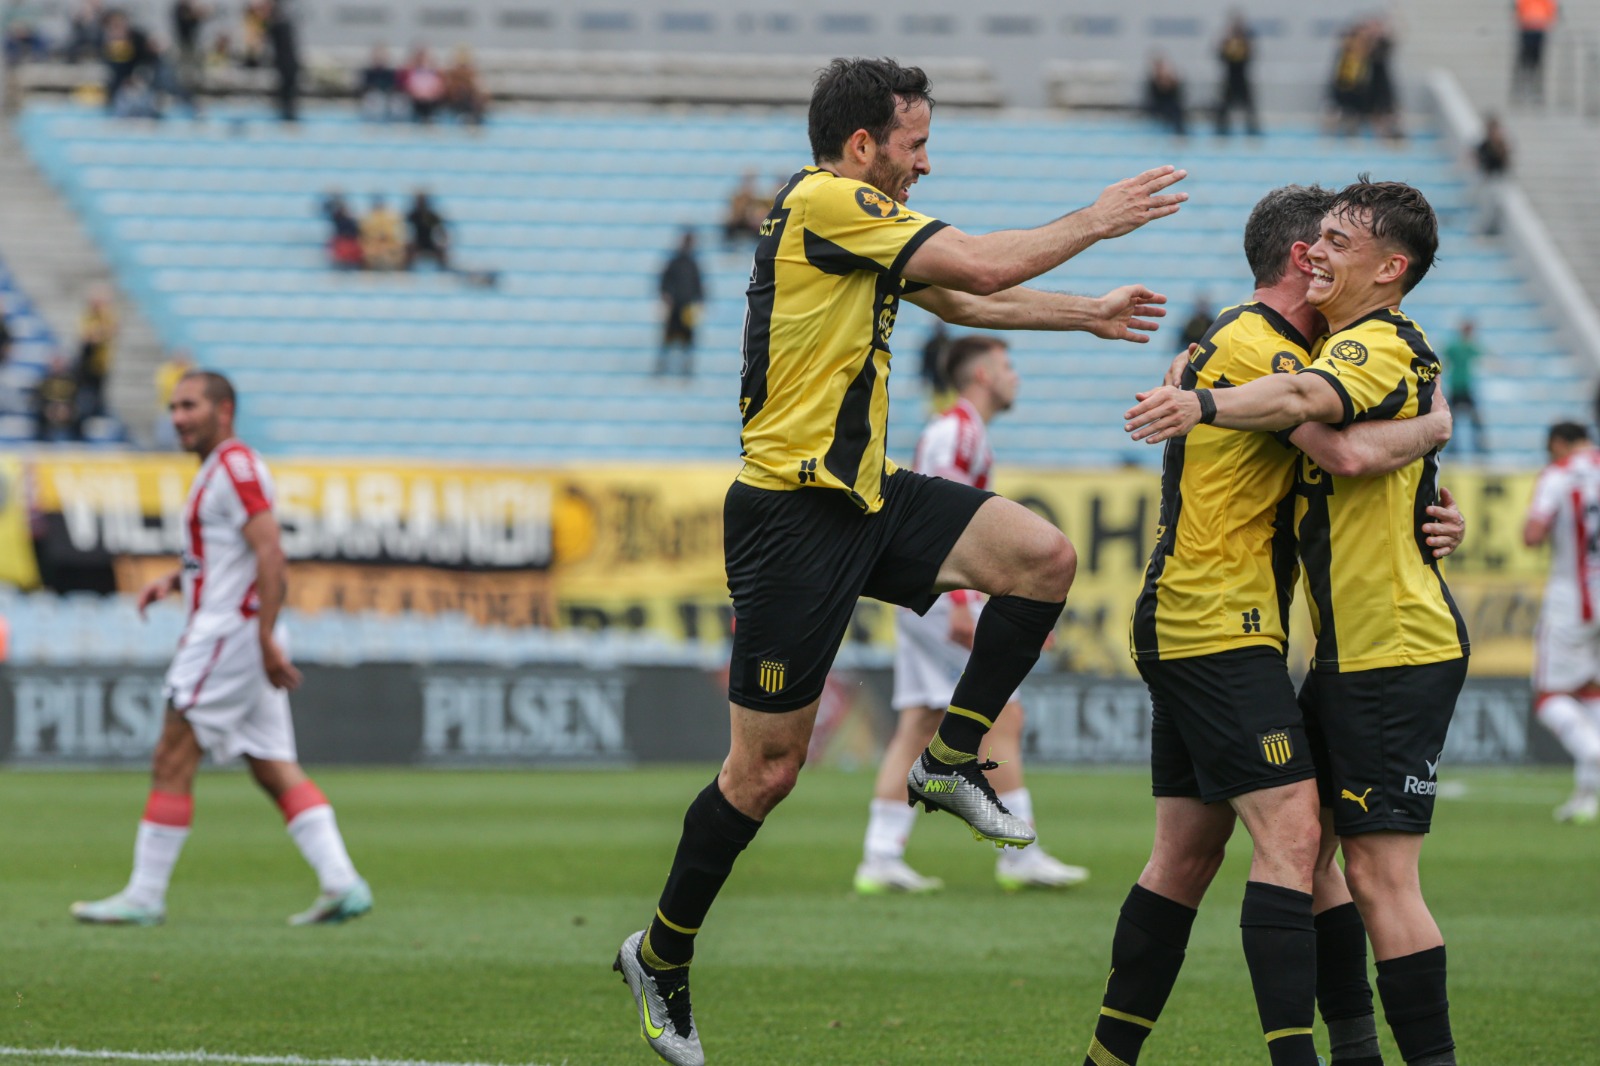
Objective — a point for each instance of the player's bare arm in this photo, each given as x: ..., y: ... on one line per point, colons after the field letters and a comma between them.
x: 1276, y: 401
x: 159, y: 589
x: 1367, y: 449
x: 272, y: 583
x: 994, y: 262
x: 1536, y: 531
x: 1124, y: 314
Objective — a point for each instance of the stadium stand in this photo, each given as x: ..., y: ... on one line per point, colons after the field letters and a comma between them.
x: 574, y: 212
x: 31, y: 346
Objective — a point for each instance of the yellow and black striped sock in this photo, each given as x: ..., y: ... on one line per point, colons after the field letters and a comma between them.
x: 1010, y: 633
x: 1280, y: 947
x: 1343, y: 995
x: 1146, y: 954
x: 714, y: 833
x: 1416, y: 1007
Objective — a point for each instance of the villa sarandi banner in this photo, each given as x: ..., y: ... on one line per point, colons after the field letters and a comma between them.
x: 638, y: 547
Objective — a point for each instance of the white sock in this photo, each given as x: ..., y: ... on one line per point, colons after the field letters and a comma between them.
x: 1020, y: 803
x: 316, y: 834
x: 155, y: 852
x: 888, y: 829
x: 1579, y: 733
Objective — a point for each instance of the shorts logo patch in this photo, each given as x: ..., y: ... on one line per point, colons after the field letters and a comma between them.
x: 1346, y: 794
x: 1350, y: 351
x: 1275, y: 747
x: 876, y: 204
x: 770, y: 676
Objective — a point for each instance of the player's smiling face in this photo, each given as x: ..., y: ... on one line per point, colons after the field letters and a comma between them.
x: 194, y: 417
x: 902, y: 157
x: 1352, y: 272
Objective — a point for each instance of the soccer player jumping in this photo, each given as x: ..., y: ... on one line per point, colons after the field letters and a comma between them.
x: 818, y: 516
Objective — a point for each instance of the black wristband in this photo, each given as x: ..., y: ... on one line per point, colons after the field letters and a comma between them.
x: 1208, y: 406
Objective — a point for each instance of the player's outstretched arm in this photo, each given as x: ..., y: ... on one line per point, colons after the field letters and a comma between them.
x: 272, y: 583
x: 1276, y: 401
x: 1125, y: 314
x: 1367, y: 449
x: 994, y: 262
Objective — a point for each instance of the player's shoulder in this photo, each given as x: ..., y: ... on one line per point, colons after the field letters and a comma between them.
x: 1259, y: 339
x: 1387, y: 331
x: 242, y: 462
x: 832, y: 196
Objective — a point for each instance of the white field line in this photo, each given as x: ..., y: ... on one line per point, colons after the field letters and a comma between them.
x: 79, y: 1054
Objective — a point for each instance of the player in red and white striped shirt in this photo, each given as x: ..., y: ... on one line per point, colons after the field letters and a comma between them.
x: 1566, y: 667
x: 227, y: 688
x: 932, y: 650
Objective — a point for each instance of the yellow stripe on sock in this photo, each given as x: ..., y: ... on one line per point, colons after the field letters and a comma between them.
x: 1100, y: 1056
x: 948, y: 755
x: 1133, y: 1018
x: 674, y: 926
x: 654, y: 961
x: 974, y: 715
x: 1276, y: 1033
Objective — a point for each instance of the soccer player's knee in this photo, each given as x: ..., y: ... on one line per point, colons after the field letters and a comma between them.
x: 1374, y: 877
x: 1056, y: 566
x: 779, y: 778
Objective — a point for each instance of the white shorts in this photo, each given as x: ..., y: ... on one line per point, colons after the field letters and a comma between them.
x: 220, y: 687
x: 1566, y: 655
x: 927, y: 663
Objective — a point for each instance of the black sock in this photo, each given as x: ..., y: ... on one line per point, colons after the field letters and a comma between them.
x: 1146, y: 954
x: 1280, y: 947
x: 1416, y: 1007
x: 1011, y: 631
x: 714, y: 834
x: 1343, y: 994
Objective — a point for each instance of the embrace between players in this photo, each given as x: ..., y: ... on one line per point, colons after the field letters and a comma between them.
x: 1282, y: 452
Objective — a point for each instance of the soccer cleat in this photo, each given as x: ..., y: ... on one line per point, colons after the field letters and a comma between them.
x: 965, y: 792
x: 665, y: 1018
x: 117, y: 910
x: 331, y: 908
x: 878, y: 877
x: 1036, y: 869
x: 1579, y: 810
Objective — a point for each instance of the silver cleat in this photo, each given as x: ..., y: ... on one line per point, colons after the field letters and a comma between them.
x: 965, y: 792
x: 663, y: 999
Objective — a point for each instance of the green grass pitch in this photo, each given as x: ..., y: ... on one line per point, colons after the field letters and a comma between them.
x: 501, y: 899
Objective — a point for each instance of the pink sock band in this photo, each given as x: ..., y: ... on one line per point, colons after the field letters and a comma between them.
x: 169, y: 809
x: 299, y: 799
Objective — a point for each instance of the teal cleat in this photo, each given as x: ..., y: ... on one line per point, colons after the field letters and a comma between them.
x: 117, y: 910
x: 331, y: 908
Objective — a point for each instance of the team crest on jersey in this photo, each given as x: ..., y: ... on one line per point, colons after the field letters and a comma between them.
x: 876, y: 204
x: 240, y: 466
x: 770, y: 675
x: 1349, y: 351
x: 1275, y: 747
x: 1286, y: 363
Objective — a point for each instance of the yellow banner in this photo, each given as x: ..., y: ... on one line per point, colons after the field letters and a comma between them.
x: 17, y: 564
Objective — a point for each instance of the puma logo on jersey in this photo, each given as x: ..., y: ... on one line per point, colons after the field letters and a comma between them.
x: 1346, y: 794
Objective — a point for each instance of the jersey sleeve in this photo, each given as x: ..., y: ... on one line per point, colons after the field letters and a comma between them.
x: 1372, y: 374
x: 1548, y: 493
x: 248, y: 480
x: 850, y: 226
x: 949, y: 449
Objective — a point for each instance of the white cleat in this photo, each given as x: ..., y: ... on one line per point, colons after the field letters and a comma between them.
x: 880, y: 877
x: 331, y: 908
x: 1036, y: 869
x: 117, y: 910
x: 1579, y: 810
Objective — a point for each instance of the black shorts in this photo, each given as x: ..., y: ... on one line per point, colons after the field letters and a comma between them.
x: 1224, y: 724
x: 799, y: 560
x: 1377, y: 736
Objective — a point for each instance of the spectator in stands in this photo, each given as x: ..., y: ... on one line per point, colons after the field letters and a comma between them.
x: 430, y: 239
x: 381, y: 98
x: 188, y: 62
x: 382, y: 245
x: 682, y: 293
x: 1461, y: 358
x: 1235, y: 51
x: 1383, y: 102
x: 423, y: 85
x: 463, y: 90
x: 1163, y: 95
x: 253, y: 45
x: 1493, y: 159
x: 97, y: 339
x: 1347, y: 90
x: 58, y: 402
x: 85, y: 32
x: 344, y: 236
x: 126, y: 51
x: 1534, y: 19
x: 5, y: 334
x: 284, y: 38
x: 168, y: 374
x: 747, y: 209
x: 220, y: 55
x: 1199, y: 321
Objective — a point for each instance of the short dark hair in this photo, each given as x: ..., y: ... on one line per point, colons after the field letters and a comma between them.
x: 1396, y: 212
x: 963, y: 352
x: 1279, y: 219
x: 1568, y: 432
x: 217, y: 388
x: 861, y: 94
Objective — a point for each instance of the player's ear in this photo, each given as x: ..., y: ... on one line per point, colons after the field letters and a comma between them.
x: 1393, y: 268
x: 859, y: 146
x: 1299, y: 258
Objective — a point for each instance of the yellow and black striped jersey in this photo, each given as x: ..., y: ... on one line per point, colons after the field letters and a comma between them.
x: 822, y: 301
x: 1377, y: 596
x: 1223, y: 569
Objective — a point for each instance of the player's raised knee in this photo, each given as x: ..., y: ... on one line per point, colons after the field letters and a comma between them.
x: 1054, y: 566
